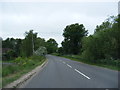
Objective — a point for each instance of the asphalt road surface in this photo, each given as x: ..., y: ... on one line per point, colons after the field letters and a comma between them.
x: 64, y: 73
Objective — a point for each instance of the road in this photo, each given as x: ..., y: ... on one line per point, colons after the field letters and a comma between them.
x: 64, y: 73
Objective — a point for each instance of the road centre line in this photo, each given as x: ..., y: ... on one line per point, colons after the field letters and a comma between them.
x: 69, y: 66
x: 82, y: 74
x: 78, y: 71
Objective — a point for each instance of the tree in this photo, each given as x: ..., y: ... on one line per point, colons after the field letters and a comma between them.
x: 39, y: 42
x: 106, y: 24
x: 11, y: 48
x: 104, y: 44
x: 72, y: 38
x: 9, y: 43
x: 28, y: 44
x: 60, y: 51
x: 51, y: 46
x: 18, y: 44
x: 26, y: 47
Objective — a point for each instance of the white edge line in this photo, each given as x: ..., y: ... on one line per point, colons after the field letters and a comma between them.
x: 69, y: 66
x: 82, y: 74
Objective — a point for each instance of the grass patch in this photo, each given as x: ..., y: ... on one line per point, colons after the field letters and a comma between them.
x: 11, y: 73
x: 79, y: 59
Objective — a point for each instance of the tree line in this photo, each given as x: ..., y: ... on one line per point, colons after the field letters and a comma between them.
x: 101, y: 47
x: 31, y: 44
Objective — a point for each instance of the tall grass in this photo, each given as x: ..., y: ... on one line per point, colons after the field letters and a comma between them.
x: 21, y: 66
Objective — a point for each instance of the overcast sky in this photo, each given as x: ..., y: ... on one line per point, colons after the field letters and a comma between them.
x: 49, y: 19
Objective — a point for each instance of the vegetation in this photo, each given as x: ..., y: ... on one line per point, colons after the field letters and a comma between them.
x: 51, y: 46
x: 13, y: 48
x: 21, y: 55
x: 111, y: 64
x: 73, y: 35
x: 101, y: 48
x: 19, y: 68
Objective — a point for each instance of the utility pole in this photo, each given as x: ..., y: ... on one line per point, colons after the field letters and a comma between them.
x: 32, y: 43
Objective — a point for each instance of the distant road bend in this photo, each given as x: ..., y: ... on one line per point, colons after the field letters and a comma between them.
x: 64, y: 73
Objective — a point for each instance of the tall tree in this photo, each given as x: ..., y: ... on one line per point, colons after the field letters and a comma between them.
x: 73, y: 35
x: 28, y: 44
x: 18, y: 46
x: 51, y: 46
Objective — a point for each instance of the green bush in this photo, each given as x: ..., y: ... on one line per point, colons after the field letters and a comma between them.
x: 10, y: 69
x: 21, y: 64
x: 110, y: 62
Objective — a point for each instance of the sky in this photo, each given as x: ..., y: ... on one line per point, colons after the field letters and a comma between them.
x: 49, y: 19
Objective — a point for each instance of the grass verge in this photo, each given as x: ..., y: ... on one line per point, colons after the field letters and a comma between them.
x: 77, y: 58
x: 11, y: 73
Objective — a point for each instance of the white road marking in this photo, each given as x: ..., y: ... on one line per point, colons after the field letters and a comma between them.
x: 77, y: 71
x: 82, y: 74
x: 69, y: 66
x: 63, y: 62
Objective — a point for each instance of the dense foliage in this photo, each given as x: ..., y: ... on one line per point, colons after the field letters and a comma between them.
x: 103, y: 47
x: 13, y: 48
x: 51, y: 46
x: 104, y: 43
x: 73, y: 35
